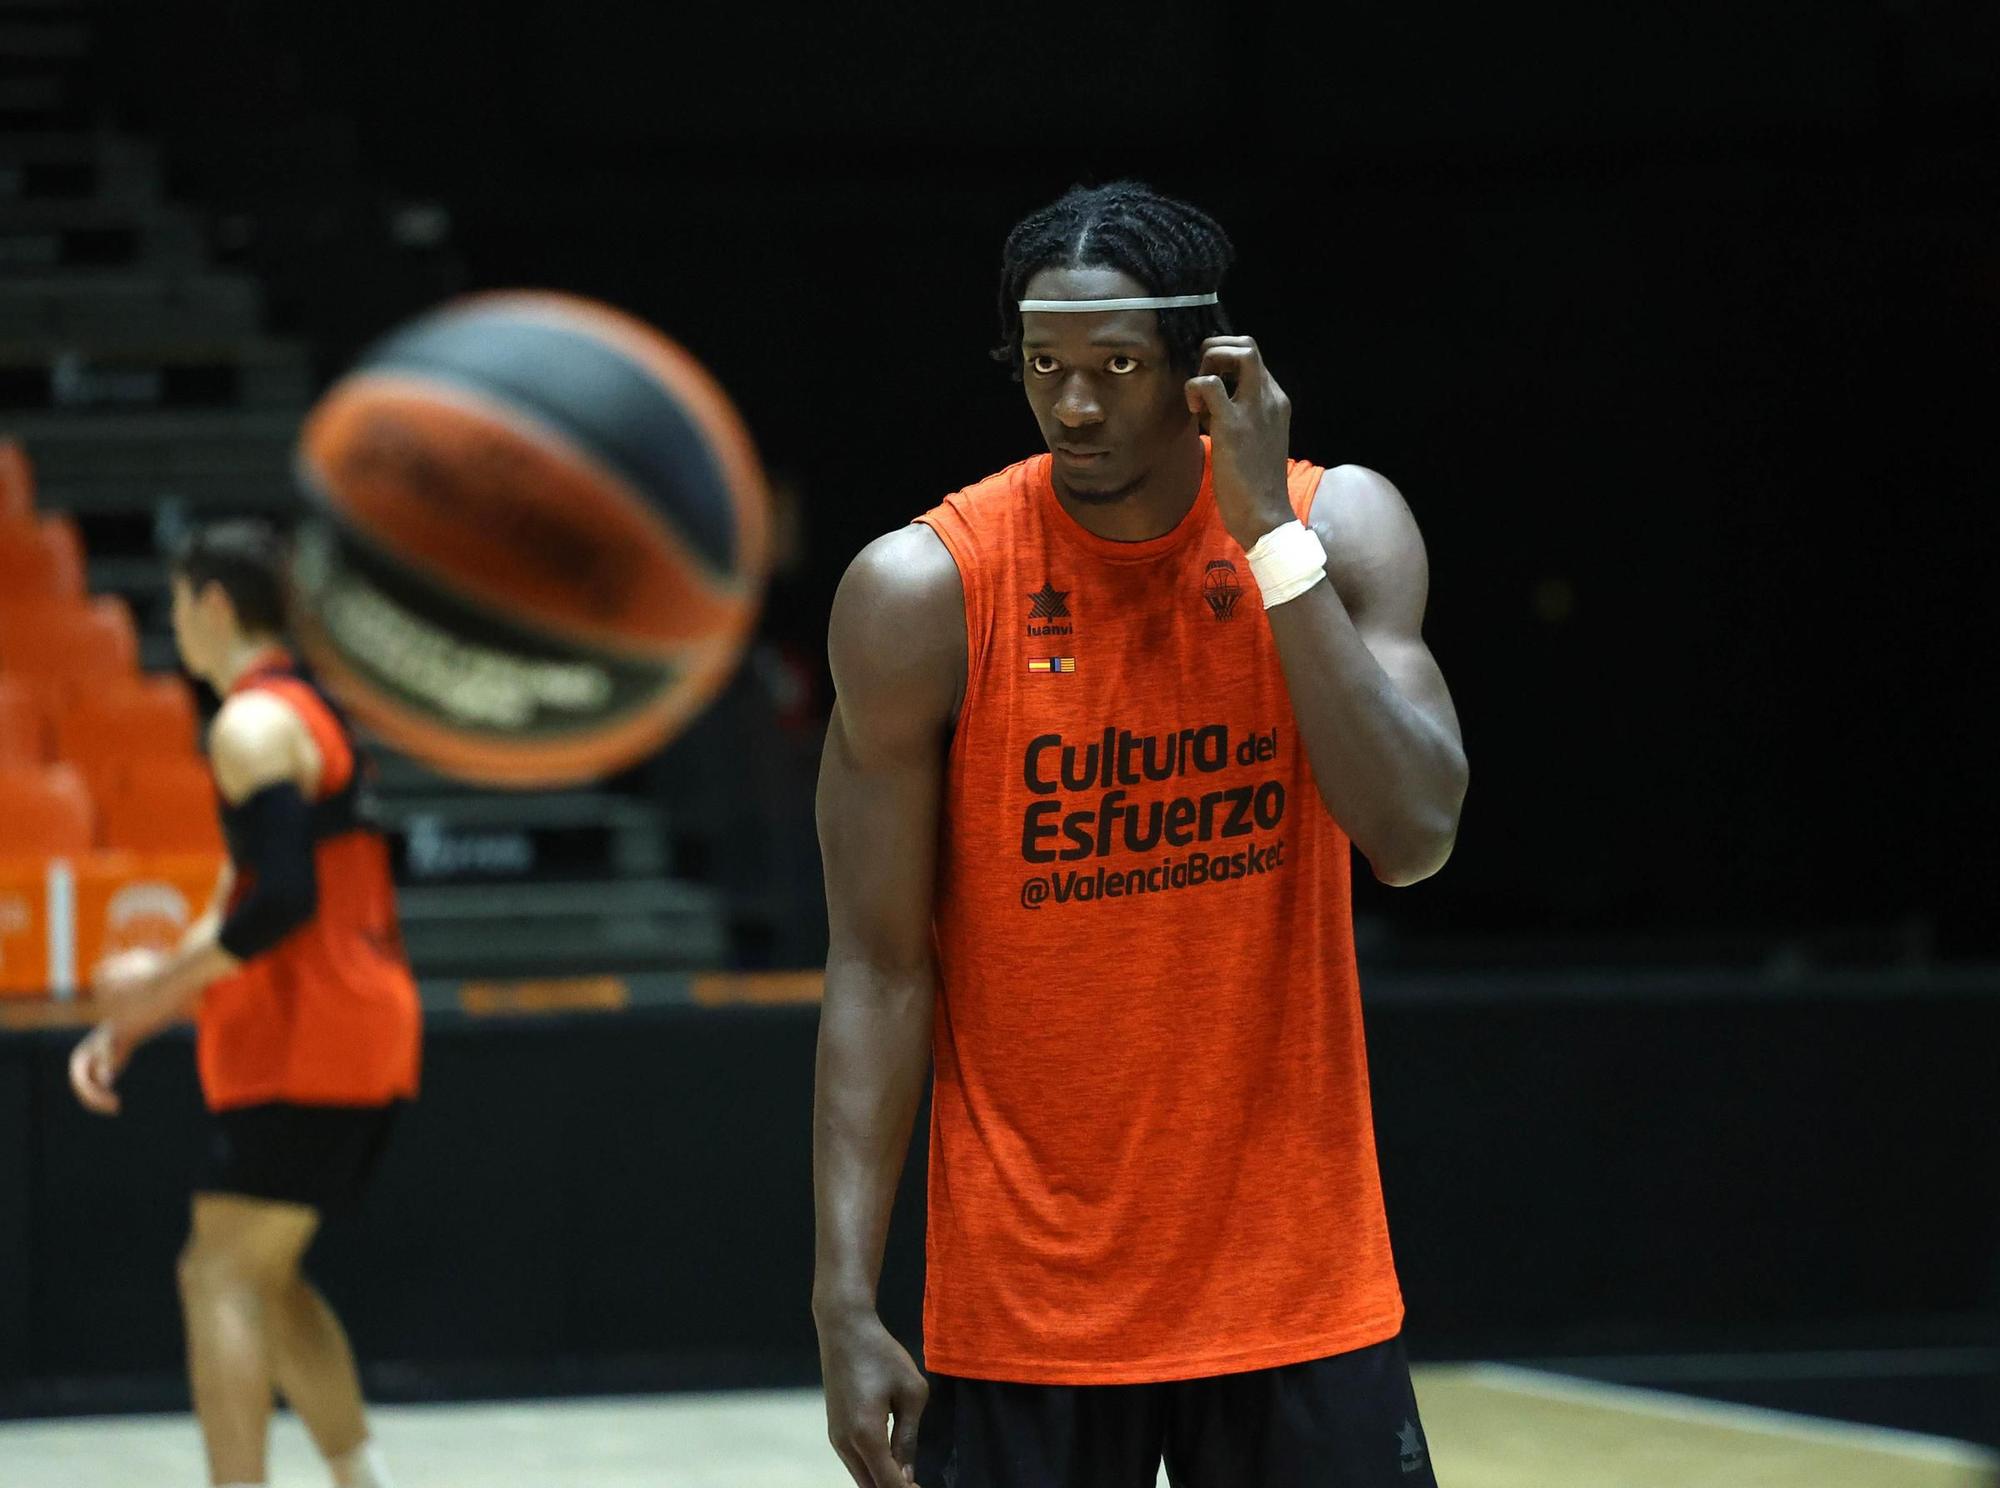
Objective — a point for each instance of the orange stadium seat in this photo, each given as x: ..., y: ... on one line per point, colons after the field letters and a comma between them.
x: 22, y: 614
x: 44, y: 696
x: 41, y: 557
x: 106, y: 725
x: 23, y: 739
x: 19, y: 610
x: 45, y: 810
x: 17, y: 481
x: 69, y: 642
x: 161, y: 806
x: 62, y: 537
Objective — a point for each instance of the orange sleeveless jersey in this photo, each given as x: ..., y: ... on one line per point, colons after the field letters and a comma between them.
x: 329, y: 1016
x: 1152, y: 1156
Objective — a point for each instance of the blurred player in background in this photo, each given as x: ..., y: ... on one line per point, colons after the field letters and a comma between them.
x: 306, y: 1014
x: 1106, y: 725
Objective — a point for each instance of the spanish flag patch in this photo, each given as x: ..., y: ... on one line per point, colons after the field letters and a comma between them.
x: 1055, y: 664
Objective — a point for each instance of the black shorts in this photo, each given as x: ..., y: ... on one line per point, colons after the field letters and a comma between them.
x: 1348, y: 1421
x: 320, y: 1156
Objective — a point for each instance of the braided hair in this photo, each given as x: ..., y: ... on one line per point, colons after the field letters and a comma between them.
x: 1168, y: 246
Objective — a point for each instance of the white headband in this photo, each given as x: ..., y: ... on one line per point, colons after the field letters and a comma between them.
x: 1146, y: 302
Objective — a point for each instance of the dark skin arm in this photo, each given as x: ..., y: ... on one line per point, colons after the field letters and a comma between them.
x: 1372, y: 707
x: 897, y: 647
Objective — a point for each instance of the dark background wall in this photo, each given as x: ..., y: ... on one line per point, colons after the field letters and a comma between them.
x: 620, y: 1202
x: 1674, y: 323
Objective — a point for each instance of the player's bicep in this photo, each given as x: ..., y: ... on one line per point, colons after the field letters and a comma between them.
x: 878, y: 819
x: 1377, y: 561
x: 896, y: 647
x: 1414, y: 672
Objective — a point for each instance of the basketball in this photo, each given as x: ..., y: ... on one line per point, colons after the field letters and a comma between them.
x: 535, y: 538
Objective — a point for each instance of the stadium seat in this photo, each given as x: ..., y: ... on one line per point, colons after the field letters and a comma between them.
x: 22, y: 738
x: 23, y: 611
x: 61, y: 536
x: 44, y: 696
x: 106, y: 725
x: 17, y: 481
x: 45, y: 810
x: 161, y: 806
x: 70, y: 642
x: 41, y: 557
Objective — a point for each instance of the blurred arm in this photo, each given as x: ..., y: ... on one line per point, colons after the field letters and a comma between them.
x: 257, y: 747
x: 210, y: 920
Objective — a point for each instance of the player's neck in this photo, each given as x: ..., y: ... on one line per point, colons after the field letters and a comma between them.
x: 1153, y: 507
x: 247, y: 654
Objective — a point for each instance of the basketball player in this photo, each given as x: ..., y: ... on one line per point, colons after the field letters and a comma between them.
x: 1107, y: 723
x: 306, y: 1017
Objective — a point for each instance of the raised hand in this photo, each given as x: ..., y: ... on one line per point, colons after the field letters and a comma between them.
x: 1249, y: 430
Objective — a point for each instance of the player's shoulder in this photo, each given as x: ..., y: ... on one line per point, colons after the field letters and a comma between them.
x: 902, y: 604
x: 896, y: 641
x: 900, y: 582
x: 257, y: 738
x: 991, y: 496
x: 254, y: 719
x: 1375, y: 554
x: 1352, y: 506
x: 920, y: 568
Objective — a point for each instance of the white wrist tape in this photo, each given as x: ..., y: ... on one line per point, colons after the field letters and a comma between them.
x: 1287, y: 561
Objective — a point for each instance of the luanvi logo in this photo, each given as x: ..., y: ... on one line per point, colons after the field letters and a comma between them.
x: 1220, y: 588
x: 1051, y: 604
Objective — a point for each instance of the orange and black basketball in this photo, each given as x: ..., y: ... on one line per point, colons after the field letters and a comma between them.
x: 537, y: 538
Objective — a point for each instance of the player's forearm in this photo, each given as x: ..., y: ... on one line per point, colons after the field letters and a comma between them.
x: 171, y: 992
x: 874, y: 1050
x: 202, y: 932
x: 1391, y: 775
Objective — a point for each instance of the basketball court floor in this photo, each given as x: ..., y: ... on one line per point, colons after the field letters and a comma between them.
x: 1490, y: 1426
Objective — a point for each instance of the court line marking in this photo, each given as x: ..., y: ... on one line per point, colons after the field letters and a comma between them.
x: 1730, y: 1416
